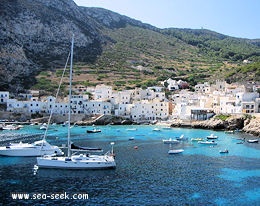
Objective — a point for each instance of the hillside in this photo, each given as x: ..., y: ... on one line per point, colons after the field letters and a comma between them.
x: 111, y: 48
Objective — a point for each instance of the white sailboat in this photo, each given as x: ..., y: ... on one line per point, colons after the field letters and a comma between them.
x: 75, y: 160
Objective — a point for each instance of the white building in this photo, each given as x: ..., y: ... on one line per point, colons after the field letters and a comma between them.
x: 97, y: 107
x: 4, y: 96
x: 203, y: 88
x: 103, y: 92
x: 150, y: 110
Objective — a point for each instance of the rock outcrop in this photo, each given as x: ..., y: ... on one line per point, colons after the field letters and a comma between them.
x: 253, y: 127
x: 248, y: 124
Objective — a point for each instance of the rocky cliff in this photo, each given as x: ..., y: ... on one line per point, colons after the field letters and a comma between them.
x: 35, y: 35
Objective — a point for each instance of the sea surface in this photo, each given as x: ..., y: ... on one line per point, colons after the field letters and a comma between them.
x: 145, y: 173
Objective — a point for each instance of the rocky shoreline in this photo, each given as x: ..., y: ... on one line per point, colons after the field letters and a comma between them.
x: 247, y: 124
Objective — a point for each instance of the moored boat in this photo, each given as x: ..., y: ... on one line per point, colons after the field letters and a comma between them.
x: 252, y: 140
x: 38, y: 148
x: 171, y: 141
x: 10, y: 127
x: 212, y: 136
x: 230, y: 132
x: 223, y: 151
x: 175, y: 151
x: 76, y: 159
x: 181, y: 138
x: 197, y: 139
x: 207, y: 142
x: 94, y: 131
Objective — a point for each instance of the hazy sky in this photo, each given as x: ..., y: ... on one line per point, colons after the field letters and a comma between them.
x: 237, y: 18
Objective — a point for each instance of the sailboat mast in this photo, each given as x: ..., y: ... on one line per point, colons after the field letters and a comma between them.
x: 70, y: 88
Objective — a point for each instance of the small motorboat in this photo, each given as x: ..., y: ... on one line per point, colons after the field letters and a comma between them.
x: 207, y: 142
x: 131, y: 129
x: 212, y: 136
x: 156, y: 130
x: 252, y: 141
x: 94, y: 130
x: 171, y: 141
x: 43, y: 127
x: 230, y: 132
x: 223, y: 151
x: 197, y: 139
x: 131, y: 138
x: 175, y: 151
x: 182, y: 138
x: 10, y: 127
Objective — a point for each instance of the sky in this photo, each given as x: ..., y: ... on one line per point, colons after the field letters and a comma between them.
x: 236, y: 18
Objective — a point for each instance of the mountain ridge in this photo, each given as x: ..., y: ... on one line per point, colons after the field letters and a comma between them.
x: 35, y: 37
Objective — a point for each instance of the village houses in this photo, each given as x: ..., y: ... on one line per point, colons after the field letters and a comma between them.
x: 144, y: 104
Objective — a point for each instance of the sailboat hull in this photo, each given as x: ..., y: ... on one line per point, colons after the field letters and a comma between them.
x: 77, y: 162
x: 25, y: 152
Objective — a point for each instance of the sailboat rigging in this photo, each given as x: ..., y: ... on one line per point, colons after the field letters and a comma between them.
x: 82, y: 160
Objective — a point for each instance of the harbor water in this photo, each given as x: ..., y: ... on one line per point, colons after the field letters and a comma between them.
x: 145, y: 173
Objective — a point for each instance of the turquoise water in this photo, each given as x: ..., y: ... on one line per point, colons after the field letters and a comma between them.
x: 144, y: 176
